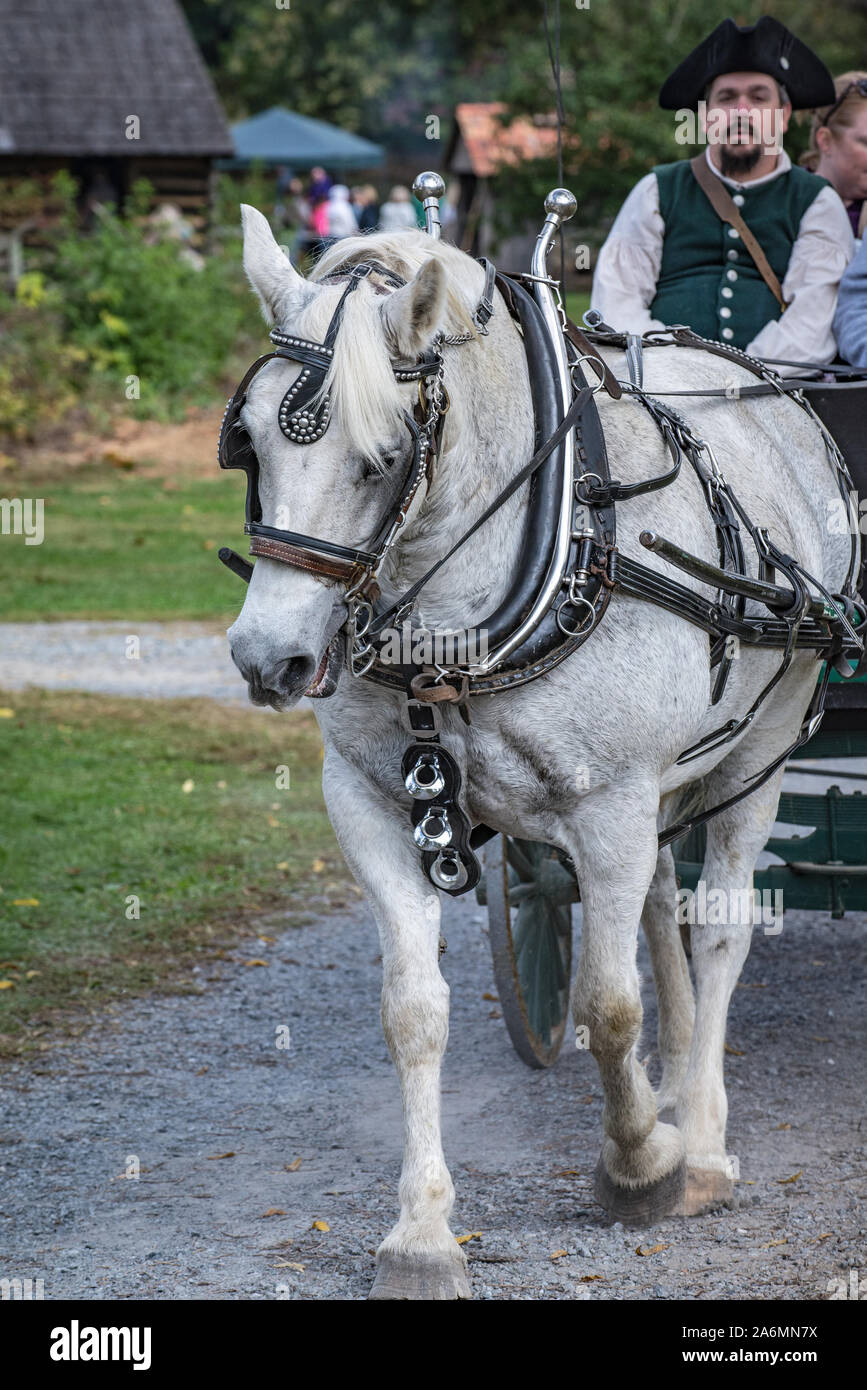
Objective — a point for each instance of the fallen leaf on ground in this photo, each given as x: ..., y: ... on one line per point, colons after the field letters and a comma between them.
x: 784, y: 1126
x: 201, y: 1071
x: 188, y: 785
x: 495, y: 998
x: 230, y: 1154
x: 591, y: 1278
x: 794, y: 1178
x: 558, y: 1254
x: 293, y: 1166
x: 318, y: 865
x: 651, y: 1250
x: 25, y: 902
x: 273, y: 1211
x: 771, y: 1243
x: 733, y: 1051
x: 255, y: 962
x: 568, y: 1173
x: 288, y: 1264
x: 826, y: 1235
x: 320, y: 1226
x: 6, y: 713
x: 31, y: 974
x: 7, y: 984
x: 471, y: 1235
x: 269, y: 940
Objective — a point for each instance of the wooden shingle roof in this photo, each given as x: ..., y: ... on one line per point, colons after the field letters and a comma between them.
x: 73, y: 71
x: 489, y: 144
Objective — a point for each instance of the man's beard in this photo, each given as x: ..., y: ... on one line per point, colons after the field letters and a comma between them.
x: 735, y: 162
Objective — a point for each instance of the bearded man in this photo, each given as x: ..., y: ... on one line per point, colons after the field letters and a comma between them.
x: 675, y: 254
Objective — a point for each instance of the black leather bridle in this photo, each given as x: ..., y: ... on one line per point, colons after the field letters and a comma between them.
x: 304, y: 415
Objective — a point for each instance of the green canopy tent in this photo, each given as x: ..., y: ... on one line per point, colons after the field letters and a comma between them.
x: 278, y: 136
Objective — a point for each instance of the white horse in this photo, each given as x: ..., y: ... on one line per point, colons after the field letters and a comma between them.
x: 621, y: 708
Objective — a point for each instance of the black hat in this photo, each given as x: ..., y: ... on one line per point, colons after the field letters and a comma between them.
x: 766, y: 46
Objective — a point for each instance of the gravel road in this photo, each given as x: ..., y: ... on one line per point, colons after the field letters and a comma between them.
x: 177, y: 659
x: 217, y: 1116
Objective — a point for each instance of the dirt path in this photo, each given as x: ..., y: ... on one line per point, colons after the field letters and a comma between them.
x: 196, y: 1090
x: 174, y: 659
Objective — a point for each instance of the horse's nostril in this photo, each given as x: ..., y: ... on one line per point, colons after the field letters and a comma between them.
x: 297, y: 671
x: 288, y: 676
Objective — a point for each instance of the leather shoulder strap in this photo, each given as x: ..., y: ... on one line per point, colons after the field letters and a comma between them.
x: 723, y: 205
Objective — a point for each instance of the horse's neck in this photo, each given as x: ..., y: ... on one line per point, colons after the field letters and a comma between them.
x: 488, y: 436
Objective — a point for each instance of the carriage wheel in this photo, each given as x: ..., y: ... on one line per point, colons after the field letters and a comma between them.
x: 529, y: 896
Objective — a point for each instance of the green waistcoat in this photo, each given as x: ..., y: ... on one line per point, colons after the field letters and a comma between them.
x: 707, y: 278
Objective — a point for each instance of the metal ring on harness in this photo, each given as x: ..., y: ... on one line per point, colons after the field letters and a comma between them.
x: 582, y: 477
x: 573, y: 603
x: 598, y: 367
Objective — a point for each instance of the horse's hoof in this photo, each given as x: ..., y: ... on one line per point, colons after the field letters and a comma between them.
x: 420, y: 1277
x: 640, y: 1206
x: 705, y: 1189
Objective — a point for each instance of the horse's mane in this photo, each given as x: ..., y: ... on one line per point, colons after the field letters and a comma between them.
x: 367, y: 400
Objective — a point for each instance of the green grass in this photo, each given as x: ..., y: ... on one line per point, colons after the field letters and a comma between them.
x: 127, y: 547
x: 94, y: 811
x: 576, y: 305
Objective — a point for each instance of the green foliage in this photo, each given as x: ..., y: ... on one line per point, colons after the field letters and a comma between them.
x: 380, y: 73
x: 138, y: 308
x: 122, y: 315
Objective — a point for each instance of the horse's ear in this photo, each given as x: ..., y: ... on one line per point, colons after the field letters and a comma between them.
x: 269, y: 269
x: 412, y: 314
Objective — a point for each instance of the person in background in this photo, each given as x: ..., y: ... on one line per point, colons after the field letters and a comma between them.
x: 397, y: 213
x: 838, y: 146
x: 284, y: 180
x: 366, y: 203
x: 296, y: 216
x: 850, y: 320
x: 670, y: 259
x: 320, y: 184
x: 341, y: 216
x: 449, y: 210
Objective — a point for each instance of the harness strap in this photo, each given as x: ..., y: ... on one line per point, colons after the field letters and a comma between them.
x: 811, y: 723
x: 572, y: 415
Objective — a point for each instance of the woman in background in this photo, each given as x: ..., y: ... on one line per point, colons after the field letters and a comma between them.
x: 398, y: 213
x: 838, y: 146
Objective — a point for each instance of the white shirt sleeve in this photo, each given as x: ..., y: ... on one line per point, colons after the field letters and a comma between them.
x: 627, y: 269
x: 823, y: 249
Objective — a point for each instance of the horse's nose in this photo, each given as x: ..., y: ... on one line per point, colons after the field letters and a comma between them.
x: 280, y: 679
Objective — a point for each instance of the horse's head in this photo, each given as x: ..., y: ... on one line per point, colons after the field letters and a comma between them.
x: 337, y: 484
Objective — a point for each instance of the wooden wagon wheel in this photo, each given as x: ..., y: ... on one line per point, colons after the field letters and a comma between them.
x: 529, y: 895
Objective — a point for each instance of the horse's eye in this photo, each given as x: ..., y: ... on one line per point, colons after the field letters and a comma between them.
x: 384, y: 464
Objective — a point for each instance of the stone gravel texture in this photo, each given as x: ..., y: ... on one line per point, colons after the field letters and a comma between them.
x: 195, y: 1089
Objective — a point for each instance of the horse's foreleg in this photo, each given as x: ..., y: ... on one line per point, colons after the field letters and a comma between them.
x: 720, y: 944
x: 420, y: 1258
x: 674, y: 995
x: 641, y: 1173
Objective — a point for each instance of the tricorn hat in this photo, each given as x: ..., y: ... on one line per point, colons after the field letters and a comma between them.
x: 766, y: 46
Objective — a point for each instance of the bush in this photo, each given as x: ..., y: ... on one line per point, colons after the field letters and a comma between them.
x: 142, y: 308
x: 121, y: 314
